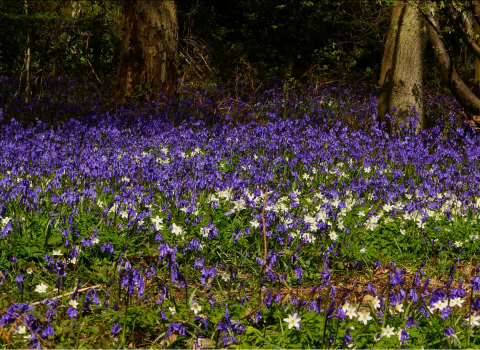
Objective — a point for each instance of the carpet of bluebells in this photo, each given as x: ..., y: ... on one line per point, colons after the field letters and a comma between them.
x: 226, y: 217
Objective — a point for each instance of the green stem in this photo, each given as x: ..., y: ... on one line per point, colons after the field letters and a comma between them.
x: 385, y: 313
x: 186, y: 282
x: 469, y: 318
x: 126, y: 316
x: 325, y: 320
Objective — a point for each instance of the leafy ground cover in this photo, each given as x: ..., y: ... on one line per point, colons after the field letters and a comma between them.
x: 225, y: 218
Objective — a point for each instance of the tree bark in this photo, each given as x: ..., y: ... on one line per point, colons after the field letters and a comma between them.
x: 476, y: 32
x: 149, y: 52
x: 401, y: 83
x: 464, y: 96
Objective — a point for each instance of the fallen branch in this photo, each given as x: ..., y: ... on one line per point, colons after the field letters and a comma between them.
x: 69, y: 293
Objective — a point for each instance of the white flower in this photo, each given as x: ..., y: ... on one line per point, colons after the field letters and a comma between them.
x: 456, y: 302
x: 440, y: 305
x: 73, y: 303
x: 388, y: 220
x: 29, y: 271
x: 5, y: 221
x: 177, y: 230
x: 376, y: 303
x: 255, y: 223
x: 95, y: 240
x: 454, y: 339
x: 239, y: 205
x: 57, y: 252
x: 41, y: 288
x: 172, y: 310
x: 22, y: 329
x: 293, y: 321
x: 346, y: 306
x: 72, y: 261
x: 364, y: 316
x: 474, y: 321
x: 333, y: 235
x: 388, y: 331
x: 363, y: 250
x: 157, y: 221
x: 458, y: 244
x: 224, y: 276
x: 196, y: 308
x: 399, y: 307
x: 402, y: 231
x: 204, y: 231
x: 351, y: 312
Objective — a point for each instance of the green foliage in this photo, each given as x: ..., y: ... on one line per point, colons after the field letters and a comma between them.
x: 51, y: 21
x: 287, y: 39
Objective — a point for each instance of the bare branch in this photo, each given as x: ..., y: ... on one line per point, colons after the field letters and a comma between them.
x: 459, y: 27
x: 466, y: 98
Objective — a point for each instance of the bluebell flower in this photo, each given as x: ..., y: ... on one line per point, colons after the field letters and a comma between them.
x: 48, y: 331
x: 116, y: 329
x: 348, y: 337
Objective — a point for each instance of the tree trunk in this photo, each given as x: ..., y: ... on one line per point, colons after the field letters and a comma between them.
x: 401, y: 83
x: 149, y: 52
x: 476, y: 81
x: 28, y: 58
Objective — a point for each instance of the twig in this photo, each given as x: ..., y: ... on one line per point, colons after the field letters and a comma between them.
x: 69, y: 293
x: 251, y: 313
x: 188, y: 61
x: 86, y: 59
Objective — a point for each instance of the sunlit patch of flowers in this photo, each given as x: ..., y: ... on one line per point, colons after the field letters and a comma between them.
x: 300, y: 232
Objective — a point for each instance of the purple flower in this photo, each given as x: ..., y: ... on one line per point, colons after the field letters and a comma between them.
x: 202, y: 319
x: 19, y: 279
x: 404, y: 336
x: 348, y: 337
x: 107, y: 247
x: 48, y: 331
x: 116, y: 329
x: 72, y: 312
x: 475, y: 283
x: 449, y: 331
